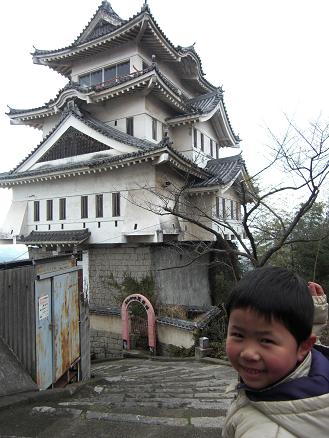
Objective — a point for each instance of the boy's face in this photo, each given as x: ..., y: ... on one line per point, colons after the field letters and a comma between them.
x: 262, y: 352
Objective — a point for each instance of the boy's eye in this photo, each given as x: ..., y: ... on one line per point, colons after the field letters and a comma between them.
x: 267, y: 341
x: 236, y: 335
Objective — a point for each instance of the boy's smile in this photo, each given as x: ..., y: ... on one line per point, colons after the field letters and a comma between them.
x: 262, y: 351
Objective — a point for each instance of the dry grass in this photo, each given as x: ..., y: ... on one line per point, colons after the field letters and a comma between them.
x: 173, y: 311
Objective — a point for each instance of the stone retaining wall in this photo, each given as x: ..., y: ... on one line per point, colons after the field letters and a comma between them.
x: 105, y: 345
x: 178, y: 280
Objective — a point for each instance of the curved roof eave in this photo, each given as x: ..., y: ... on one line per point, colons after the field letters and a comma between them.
x: 51, y: 57
x: 95, y: 93
x: 8, y: 179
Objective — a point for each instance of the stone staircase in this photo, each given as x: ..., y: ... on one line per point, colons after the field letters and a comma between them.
x: 176, y: 395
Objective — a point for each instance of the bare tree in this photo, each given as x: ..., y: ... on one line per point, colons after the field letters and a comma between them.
x: 300, y: 156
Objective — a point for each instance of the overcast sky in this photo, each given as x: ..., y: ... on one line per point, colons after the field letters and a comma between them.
x: 270, y: 56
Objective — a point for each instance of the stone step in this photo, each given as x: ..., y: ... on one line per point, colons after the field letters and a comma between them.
x: 197, y: 421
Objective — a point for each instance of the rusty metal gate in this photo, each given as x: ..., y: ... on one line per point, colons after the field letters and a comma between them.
x: 139, y: 331
x: 57, y: 323
x: 44, y: 319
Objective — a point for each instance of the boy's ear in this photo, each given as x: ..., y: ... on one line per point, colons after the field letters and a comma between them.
x: 305, y: 347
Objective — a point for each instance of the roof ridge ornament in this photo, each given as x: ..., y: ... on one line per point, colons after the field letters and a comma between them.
x: 71, y: 107
x: 165, y: 141
x: 145, y: 6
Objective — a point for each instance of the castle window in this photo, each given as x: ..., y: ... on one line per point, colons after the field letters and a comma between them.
x: 224, y: 208
x: 211, y: 148
x: 217, y: 206
x: 116, y: 204
x: 105, y: 74
x: 195, y: 138
x: 238, y: 211
x: 49, y: 209
x: 202, y: 142
x: 232, y: 210
x: 99, y: 205
x: 217, y: 151
x: 154, y: 128
x: 130, y: 125
x: 123, y: 69
x: 84, y: 207
x: 96, y: 77
x: 36, y: 207
x: 62, y: 208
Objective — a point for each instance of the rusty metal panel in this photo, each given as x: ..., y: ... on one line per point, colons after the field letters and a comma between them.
x: 66, y: 322
x: 44, y: 347
x: 48, y: 266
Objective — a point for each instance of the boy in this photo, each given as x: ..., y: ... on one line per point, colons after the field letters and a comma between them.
x: 284, y: 380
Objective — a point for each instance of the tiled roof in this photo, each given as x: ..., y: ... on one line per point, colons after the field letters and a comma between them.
x: 103, y: 86
x: 69, y: 86
x: 223, y: 171
x: 106, y: 9
x: 105, y: 161
x: 56, y: 237
x: 205, y: 316
x: 98, y: 126
x: 206, y: 102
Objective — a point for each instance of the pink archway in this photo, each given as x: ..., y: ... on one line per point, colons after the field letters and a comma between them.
x: 150, y: 320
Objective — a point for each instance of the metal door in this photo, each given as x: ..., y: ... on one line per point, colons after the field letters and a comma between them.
x: 66, y: 322
x: 44, y: 347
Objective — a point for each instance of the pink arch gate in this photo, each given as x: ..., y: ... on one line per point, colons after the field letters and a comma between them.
x: 150, y: 320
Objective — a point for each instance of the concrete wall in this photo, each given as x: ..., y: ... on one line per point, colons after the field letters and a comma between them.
x: 185, y: 283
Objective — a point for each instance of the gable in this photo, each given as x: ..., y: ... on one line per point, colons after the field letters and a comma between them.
x: 73, y: 143
x: 102, y: 28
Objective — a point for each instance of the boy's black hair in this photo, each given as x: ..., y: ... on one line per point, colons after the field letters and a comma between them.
x: 276, y: 293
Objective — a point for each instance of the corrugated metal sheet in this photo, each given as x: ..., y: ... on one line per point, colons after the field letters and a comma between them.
x: 17, y: 314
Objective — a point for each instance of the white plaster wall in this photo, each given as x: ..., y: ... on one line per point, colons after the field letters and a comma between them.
x: 107, y: 229
x: 118, y: 108
x: 175, y: 336
x: 107, y: 323
x: 207, y: 203
x: 183, y: 139
x: 165, y: 334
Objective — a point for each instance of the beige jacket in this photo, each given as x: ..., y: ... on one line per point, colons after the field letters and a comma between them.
x: 302, y: 418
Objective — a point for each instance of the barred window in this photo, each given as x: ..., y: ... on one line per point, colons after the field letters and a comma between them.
x: 116, y: 204
x: 217, y: 151
x: 84, y: 207
x: 154, y: 129
x: 62, y: 208
x: 195, y: 138
x: 202, y: 142
x: 36, y: 208
x: 217, y: 206
x: 130, y: 125
x: 99, y: 205
x: 49, y: 209
x: 224, y: 207
x: 211, y: 148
